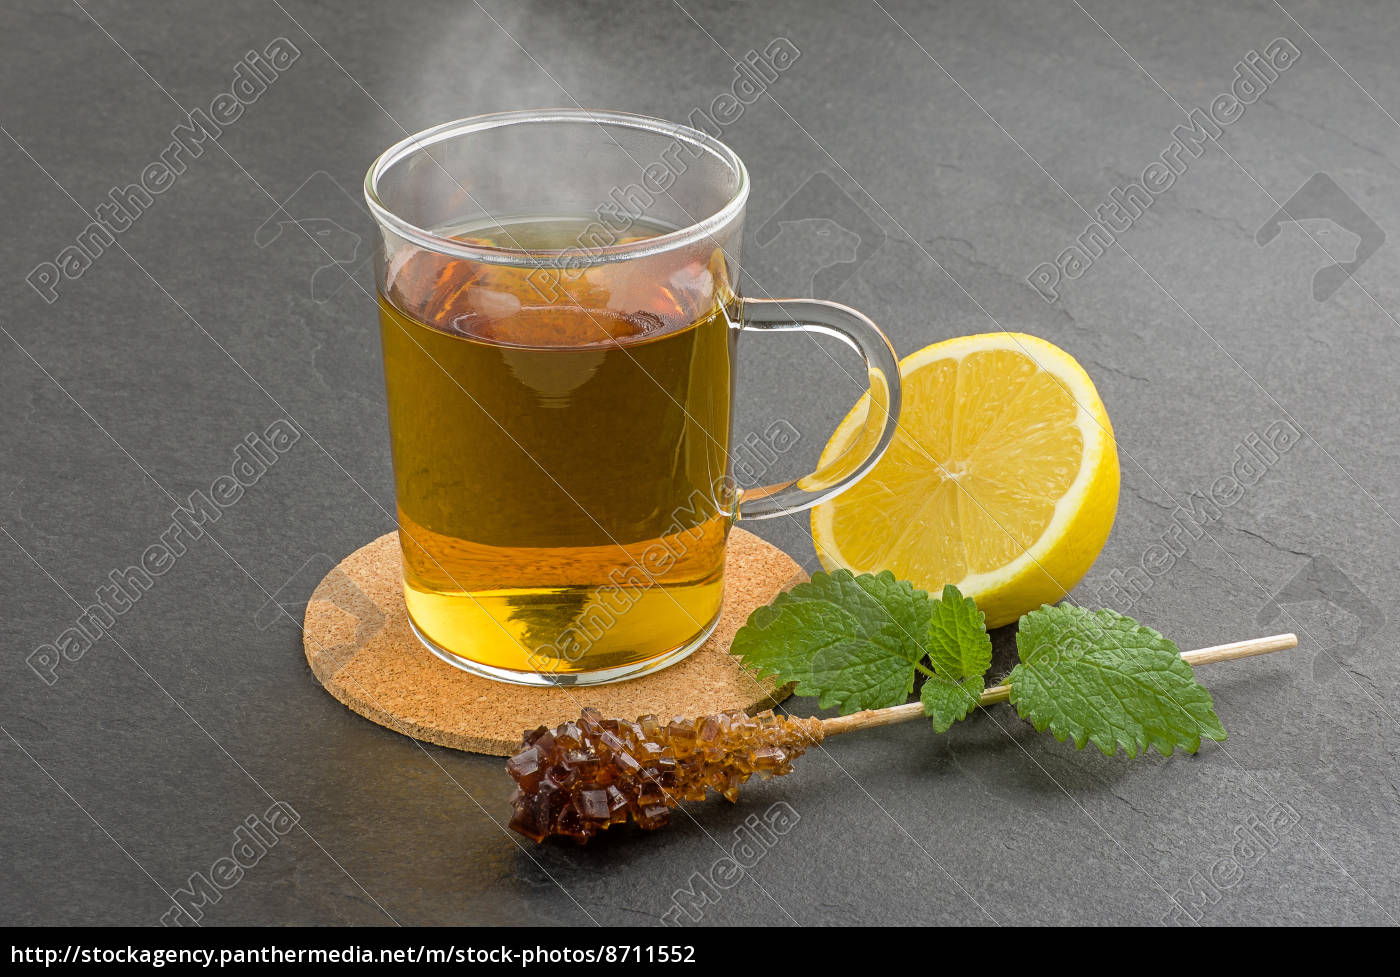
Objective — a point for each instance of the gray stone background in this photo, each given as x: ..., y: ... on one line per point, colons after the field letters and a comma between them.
x: 957, y: 146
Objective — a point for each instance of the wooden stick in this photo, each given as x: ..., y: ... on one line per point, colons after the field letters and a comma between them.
x: 870, y: 718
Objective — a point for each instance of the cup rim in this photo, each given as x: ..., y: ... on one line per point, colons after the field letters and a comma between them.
x: 565, y: 257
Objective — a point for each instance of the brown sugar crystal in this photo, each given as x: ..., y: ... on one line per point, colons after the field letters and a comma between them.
x: 589, y: 774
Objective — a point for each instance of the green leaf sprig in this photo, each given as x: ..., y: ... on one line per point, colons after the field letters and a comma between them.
x: 857, y: 642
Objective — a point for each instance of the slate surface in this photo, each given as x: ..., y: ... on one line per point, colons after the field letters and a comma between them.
x: 933, y: 155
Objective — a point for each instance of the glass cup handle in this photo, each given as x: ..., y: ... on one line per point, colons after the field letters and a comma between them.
x: 882, y: 412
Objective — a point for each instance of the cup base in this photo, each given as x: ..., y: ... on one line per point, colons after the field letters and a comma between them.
x: 602, y: 676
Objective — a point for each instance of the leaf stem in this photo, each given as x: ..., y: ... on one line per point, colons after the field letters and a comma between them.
x: 870, y: 718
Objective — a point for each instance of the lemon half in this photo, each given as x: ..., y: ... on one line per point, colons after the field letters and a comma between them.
x: 1002, y: 477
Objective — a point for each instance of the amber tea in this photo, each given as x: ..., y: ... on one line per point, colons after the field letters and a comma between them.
x: 560, y: 447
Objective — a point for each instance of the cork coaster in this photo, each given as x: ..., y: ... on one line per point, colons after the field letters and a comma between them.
x: 360, y: 647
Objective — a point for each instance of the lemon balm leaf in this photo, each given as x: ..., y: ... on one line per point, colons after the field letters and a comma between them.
x: 959, y: 653
x: 852, y: 641
x: 853, y: 677
x: 958, y: 643
x: 1100, y: 677
x: 945, y: 701
x: 883, y: 602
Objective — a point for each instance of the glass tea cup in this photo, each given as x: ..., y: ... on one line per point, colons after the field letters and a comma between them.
x: 560, y: 308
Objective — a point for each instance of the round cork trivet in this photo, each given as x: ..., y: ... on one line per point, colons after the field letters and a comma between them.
x: 361, y: 648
